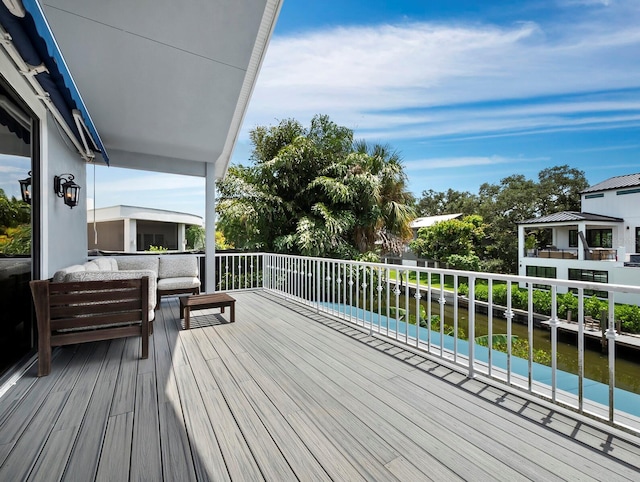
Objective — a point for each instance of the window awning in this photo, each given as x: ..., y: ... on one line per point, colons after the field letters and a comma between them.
x: 33, y: 40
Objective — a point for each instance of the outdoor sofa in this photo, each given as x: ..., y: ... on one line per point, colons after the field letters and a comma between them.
x: 168, y: 274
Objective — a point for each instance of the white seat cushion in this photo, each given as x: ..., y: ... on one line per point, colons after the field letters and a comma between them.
x: 181, y: 283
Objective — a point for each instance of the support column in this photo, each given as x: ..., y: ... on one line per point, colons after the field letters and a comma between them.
x: 210, y: 229
x: 182, y: 238
x: 130, y: 235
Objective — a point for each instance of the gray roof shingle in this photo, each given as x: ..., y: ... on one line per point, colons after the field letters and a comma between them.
x: 628, y: 180
x: 566, y: 216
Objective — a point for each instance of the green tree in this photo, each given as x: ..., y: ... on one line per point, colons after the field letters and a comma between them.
x: 559, y: 189
x: 15, y: 225
x: 502, y: 206
x: 314, y: 192
x: 434, y: 203
x: 458, y: 238
x: 195, y: 237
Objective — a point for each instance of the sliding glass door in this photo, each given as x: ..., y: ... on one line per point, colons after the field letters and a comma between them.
x: 17, y: 249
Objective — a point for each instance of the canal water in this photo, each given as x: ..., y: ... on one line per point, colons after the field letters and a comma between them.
x: 627, y: 368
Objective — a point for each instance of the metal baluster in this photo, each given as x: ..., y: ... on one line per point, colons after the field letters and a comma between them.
x: 388, y: 282
x: 417, y: 296
x: 553, y: 324
x: 371, y: 307
x: 429, y: 313
x: 472, y: 320
x: 530, y: 336
x: 442, y: 300
x: 397, y: 291
x: 455, y: 318
x: 509, y: 316
x: 490, y: 326
x: 407, y: 316
x: 380, y: 288
x: 581, y: 349
x: 611, y: 344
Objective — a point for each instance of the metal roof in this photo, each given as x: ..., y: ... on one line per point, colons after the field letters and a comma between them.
x: 628, y: 180
x: 431, y: 220
x: 570, y: 216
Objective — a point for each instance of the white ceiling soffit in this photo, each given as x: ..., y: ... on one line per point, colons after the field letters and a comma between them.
x: 167, y: 82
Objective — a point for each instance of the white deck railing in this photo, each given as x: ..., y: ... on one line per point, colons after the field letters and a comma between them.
x: 383, y: 299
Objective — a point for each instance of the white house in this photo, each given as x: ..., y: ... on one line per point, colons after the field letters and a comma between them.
x: 600, y: 244
x: 132, y: 228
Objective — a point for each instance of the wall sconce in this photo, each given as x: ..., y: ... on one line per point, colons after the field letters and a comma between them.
x: 25, y: 189
x: 65, y: 188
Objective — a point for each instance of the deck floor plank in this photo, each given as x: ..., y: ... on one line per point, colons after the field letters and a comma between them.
x: 146, y: 459
x: 208, y: 460
x: 177, y: 458
x: 84, y: 458
x: 26, y: 451
x: 383, y: 419
x: 285, y: 393
x: 426, y: 413
x: 115, y: 458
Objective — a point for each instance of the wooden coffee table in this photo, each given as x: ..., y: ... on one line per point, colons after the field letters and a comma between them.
x: 200, y: 302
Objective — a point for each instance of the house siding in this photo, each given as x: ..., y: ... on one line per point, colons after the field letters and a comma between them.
x: 621, y: 206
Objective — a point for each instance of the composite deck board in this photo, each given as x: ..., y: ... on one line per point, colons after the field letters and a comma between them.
x: 115, y: 458
x: 316, y: 392
x: 370, y: 411
x: 424, y: 412
x: 285, y: 393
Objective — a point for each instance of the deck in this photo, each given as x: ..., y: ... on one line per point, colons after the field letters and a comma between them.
x: 285, y: 393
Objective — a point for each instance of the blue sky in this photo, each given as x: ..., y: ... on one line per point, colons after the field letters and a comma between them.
x: 467, y: 91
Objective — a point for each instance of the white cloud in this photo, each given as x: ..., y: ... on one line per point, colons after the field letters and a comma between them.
x: 401, y: 81
x: 457, y: 162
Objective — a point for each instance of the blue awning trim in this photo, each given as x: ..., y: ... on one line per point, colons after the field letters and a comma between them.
x: 35, y: 43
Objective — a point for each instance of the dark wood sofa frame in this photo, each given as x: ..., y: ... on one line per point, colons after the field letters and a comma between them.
x: 85, y: 311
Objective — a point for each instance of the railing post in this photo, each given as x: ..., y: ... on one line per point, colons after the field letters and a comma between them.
x: 455, y: 318
x: 472, y: 322
x: 509, y: 316
x: 611, y: 342
x: 442, y: 300
x: 530, y: 336
x: 554, y: 322
x: 418, y: 296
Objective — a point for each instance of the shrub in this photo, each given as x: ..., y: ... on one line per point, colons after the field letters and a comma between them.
x: 566, y: 302
x: 520, y: 299
x: 500, y: 294
x: 542, y: 302
x: 593, y: 306
x: 629, y: 316
x: 469, y: 262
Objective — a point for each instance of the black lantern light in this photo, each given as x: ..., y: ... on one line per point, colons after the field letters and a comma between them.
x: 65, y: 188
x: 25, y: 189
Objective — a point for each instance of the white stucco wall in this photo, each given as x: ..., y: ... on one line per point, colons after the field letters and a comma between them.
x: 66, y: 229
x: 620, y: 206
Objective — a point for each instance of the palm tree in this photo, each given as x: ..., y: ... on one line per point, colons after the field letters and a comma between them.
x: 393, y: 203
x: 315, y: 192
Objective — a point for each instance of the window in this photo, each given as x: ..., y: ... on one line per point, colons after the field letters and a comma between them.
x: 541, y: 272
x: 573, y: 238
x: 637, y: 240
x: 600, y: 238
x: 592, y: 276
x: 628, y: 191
